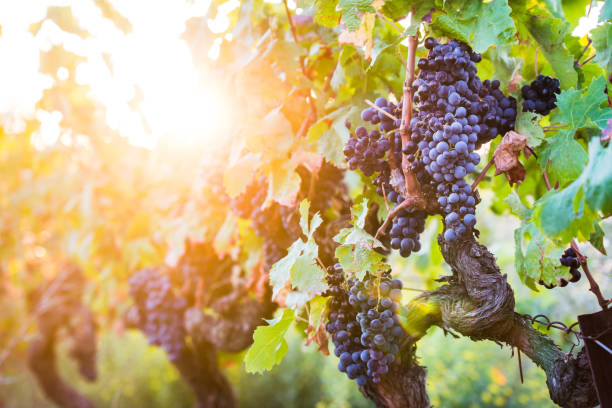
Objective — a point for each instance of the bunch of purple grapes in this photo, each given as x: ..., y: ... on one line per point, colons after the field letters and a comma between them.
x: 541, y: 95
x: 409, y: 223
x: 381, y: 332
x: 160, y: 311
x: 456, y: 113
x: 365, y: 150
x: 344, y: 328
x: 364, y: 326
x: 569, y: 259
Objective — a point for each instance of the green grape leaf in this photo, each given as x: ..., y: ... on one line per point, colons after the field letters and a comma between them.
x: 397, y: 9
x: 549, y: 32
x: 602, y: 41
x: 300, y: 265
x: 580, y: 110
x: 326, y: 14
x: 351, y: 11
x: 330, y: 134
x: 381, y: 48
x: 356, y: 252
x: 269, y: 344
x: 528, y: 124
x: 574, y: 10
x: 520, y: 264
x: 536, y: 256
x: 517, y: 207
x: 480, y: 24
x: 283, y: 181
x: 597, y: 177
x: 562, y: 214
x: 563, y: 157
x: 450, y: 27
x: 606, y: 11
x: 597, y: 237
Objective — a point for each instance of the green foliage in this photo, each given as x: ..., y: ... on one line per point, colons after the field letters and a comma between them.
x: 300, y: 264
x: 579, y: 109
x: 356, y: 252
x: 602, y: 41
x: 269, y: 344
x: 97, y: 198
x: 480, y: 24
x: 549, y: 33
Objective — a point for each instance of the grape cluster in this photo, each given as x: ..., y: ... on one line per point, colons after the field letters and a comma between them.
x: 541, y: 95
x: 364, y: 326
x: 456, y: 113
x: 569, y: 259
x: 365, y: 150
x: 328, y: 185
x: 248, y: 203
x: 343, y: 326
x: 504, y: 113
x: 160, y: 311
x: 381, y: 332
x: 408, y: 223
x: 407, y: 226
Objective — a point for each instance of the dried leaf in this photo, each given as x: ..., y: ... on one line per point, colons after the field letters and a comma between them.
x: 506, y: 157
x: 515, y: 79
x: 362, y: 37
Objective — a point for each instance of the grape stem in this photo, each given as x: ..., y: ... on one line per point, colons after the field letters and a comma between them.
x: 546, y: 180
x: 291, y: 25
x: 483, y: 173
x: 586, y: 47
x: 310, y: 118
x: 592, y: 282
x: 412, y: 186
x: 586, y: 60
x: 415, y: 201
x: 373, y: 105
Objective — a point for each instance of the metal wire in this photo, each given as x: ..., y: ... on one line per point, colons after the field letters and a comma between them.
x: 553, y: 324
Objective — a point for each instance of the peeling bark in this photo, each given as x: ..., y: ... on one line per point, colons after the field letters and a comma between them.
x: 403, y: 386
x: 478, y: 303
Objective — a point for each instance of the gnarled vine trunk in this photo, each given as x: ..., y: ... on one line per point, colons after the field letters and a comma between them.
x: 478, y: 302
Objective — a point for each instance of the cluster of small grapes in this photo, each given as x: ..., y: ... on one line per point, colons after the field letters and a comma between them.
x: 366, y: 150
x: 541, y: 95
x: 408, y: 224
x: 385, y: 120
x: 328, y: 185
x: 160, y: 311
x: 365, y: 327
x: 377, y: 302
x: 456, y: 112
x: 504, y: 114
x: 247, y: 203
x: 569, y: 259
x: 344, y: 328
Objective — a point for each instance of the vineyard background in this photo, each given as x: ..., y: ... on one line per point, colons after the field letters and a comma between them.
x: 125, y: 127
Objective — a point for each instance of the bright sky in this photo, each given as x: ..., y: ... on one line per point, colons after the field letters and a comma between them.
x: 176, y: 102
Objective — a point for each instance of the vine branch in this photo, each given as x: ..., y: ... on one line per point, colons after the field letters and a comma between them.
x: 594, y: 287
x: 415, y: 201
x: 412, y: 185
